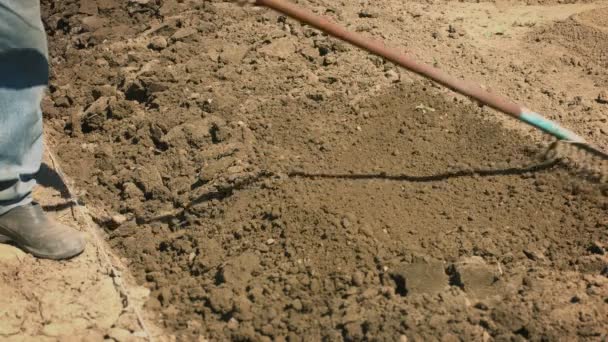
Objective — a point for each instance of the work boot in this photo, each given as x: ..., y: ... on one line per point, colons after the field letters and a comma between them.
x: 30, y: 229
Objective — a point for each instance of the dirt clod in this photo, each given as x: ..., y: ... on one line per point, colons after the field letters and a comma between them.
x: 420, y: 278
x: 158, y: 43
x: 476, y: 277
x: 239, y: 270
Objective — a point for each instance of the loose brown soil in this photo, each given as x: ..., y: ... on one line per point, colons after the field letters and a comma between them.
x: 277, y: 184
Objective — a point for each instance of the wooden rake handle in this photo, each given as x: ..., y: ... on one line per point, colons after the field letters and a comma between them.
x: 469, y: 89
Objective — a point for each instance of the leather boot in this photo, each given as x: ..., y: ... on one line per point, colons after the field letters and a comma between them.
x: 30, y: 229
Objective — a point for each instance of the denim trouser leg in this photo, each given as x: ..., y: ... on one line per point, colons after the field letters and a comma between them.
x: 23, y: 78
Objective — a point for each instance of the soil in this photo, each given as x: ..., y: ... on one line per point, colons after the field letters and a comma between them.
x: 71, y: 300
x: 267, y: 182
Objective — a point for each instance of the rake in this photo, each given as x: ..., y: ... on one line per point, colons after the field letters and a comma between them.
x: 569, y: 148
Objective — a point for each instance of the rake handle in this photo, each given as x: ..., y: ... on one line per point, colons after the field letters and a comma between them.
x: 471, y: 90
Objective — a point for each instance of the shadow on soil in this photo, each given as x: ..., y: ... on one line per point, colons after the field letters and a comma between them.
x: 433, y: 178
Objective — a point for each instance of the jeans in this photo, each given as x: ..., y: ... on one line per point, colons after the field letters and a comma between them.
x: 23, y: 77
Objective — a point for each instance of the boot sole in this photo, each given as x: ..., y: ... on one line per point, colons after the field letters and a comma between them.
x: 63, y: 256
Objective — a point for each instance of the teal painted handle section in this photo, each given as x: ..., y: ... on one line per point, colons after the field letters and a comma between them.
x: 549, y: 126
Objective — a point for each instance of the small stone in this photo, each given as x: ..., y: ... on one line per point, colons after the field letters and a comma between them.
x: 62, y: 101
x: 366, y: 230
x: 357, y: 278
x: 158, y: 43
x: 118, y: 219
x: 330, y: 60
x: 402, y: 338
x: 270, y: 241
x: 602, y: 97
x: 233, y: 324
x: 297, y: 305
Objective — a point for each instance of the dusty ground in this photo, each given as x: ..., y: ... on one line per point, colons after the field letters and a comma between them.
x: 266, y: 182
x: 74, y: 300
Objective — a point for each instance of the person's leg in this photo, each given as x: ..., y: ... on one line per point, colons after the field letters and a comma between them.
x: 23, y: 78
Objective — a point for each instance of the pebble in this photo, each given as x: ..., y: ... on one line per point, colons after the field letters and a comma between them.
x: 158, y: 43
x: 603, y: 97
x: 297, y: 305
x: 329, y: 60
x: 357, y: 278
x: 233, y: 324
x: 119, y: 219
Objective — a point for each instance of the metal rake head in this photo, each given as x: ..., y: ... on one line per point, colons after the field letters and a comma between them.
x: 580, y: 157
